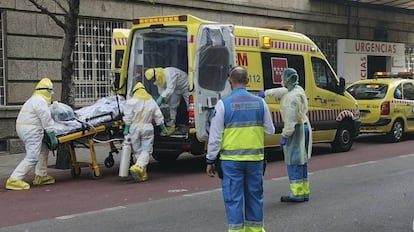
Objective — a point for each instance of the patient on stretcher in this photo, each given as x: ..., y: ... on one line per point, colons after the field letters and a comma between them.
x: 104, y: 110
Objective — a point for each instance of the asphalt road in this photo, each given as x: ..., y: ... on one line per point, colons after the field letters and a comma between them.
x: 367, y: 189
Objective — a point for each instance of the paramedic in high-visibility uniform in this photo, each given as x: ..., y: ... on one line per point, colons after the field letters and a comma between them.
x: 237, y: 132
x: 139, y: 112
x: 172, y: 84
x: 32, y: 121
x: 296, y: 134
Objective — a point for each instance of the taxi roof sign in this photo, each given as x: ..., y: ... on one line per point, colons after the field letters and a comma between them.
x: 408, y: 75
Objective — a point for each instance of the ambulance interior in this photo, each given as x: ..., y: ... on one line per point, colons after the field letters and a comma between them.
x: 169, y: 47
x: 159, y: 47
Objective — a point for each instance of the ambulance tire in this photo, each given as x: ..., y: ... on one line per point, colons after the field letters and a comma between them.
x: 344, y: 138
x: 396, y: 132
x: 165, y: 157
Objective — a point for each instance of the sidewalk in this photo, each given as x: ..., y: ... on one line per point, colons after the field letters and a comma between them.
x: 8, y: 162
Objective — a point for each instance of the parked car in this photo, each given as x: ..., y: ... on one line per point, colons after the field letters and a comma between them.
x: 386, y: 103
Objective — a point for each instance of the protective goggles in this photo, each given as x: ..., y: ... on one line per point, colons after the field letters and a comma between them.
x: 49, y: 90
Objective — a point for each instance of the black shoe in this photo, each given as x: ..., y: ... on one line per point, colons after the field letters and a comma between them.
x: 289, y: 199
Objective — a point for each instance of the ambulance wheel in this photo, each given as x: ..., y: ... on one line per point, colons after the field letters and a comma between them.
x: 109, y: 162
x: 165, y: 158
x: 75, y: 172
x: 396, y: 132
x: 344, y: 138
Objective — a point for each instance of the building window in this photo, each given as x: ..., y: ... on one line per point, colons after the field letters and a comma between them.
x: 328, y: 46
x: 92, y: 60
x: 409, y: 58
x: 2, y: 62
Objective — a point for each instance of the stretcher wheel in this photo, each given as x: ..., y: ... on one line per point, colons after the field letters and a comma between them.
x: 109, y: 162
x: 75, y: 171
x: 95, y: 175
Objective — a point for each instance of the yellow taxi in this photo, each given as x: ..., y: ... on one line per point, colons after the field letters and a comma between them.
x: 386, y: 103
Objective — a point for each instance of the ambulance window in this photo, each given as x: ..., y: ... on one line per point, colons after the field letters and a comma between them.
x: 214, y: 60
x: 323, y: 75
x: 118, y: 58
x: 408, y: 91
x: 274, y: 64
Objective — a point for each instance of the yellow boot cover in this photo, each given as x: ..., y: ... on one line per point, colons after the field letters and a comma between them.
x: 43, y: 180
x: 15, y: 184
x: 138, y: 173
x: 144, y: 176
x: 171, y: 130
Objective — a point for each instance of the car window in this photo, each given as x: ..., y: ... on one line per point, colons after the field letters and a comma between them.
x: 398, y: 92
x: 408, y: 91
x: 368, y: 91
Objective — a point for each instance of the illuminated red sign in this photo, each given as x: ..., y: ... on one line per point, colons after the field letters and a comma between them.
x: 278, y: 66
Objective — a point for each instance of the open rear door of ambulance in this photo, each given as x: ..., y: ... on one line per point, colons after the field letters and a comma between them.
x: 215, y: 56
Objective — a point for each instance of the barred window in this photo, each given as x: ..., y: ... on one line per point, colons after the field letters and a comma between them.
x: 92, y: 60
x: 328, y: 46
x: 2, y: 62
x: 409, y: 58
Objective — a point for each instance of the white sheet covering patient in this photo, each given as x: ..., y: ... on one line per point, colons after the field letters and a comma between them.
x: 64, y: 124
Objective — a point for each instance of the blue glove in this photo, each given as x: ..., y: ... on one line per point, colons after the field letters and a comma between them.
x: 126, y: 129
x: 159, y: 100
x: 283, y: 141
x: 53, y: 140
x: 261, y: 94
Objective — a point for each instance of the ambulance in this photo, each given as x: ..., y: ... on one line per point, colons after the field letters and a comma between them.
x: 208, y: 50
x: 119, y: 44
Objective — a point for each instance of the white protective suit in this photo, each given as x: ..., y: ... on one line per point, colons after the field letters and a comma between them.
x: 293, y: 108
x: 140, y: 111
x: 33, y: 118
x: 172, y: 84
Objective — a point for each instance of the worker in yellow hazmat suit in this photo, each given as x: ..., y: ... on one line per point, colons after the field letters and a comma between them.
x: 172, y: 84
x: 32, y: 121
x: 140, y: 111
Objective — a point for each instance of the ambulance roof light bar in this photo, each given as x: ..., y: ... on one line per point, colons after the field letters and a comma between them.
x: 407, y: 75
x: 161, y: 19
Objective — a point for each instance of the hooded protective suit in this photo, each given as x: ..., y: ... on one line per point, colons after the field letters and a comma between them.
x: 139, y: 113
x: 33, y: 119
x: 172, y: 84
x: 296, y: 133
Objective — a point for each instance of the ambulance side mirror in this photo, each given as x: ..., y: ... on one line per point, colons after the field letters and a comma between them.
x: 341, y: 87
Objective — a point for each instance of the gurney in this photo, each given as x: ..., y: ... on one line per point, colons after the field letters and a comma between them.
x: 106, y: 127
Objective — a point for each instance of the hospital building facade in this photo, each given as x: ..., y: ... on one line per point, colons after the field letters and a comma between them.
x: 357, y: 37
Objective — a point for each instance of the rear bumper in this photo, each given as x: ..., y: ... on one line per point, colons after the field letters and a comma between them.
x: 164, y: 144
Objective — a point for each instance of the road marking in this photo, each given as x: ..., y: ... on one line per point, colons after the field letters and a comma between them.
x: 279, y: 178
x: 177, y: 190
x: 201, y: 193
x: 90, y: 212
x: 361, y: 164
x: 406, y: 156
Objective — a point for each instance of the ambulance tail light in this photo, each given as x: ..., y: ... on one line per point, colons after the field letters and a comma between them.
x: 191, y: 120
x: 385, y: 108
